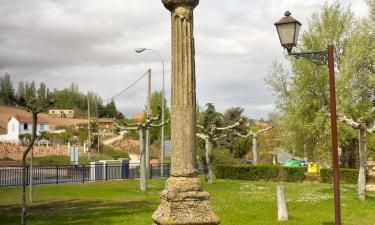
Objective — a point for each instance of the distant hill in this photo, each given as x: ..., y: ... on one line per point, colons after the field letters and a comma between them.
x: 8, y: 111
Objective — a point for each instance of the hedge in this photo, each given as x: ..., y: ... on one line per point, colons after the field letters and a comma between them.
x: 349, y: 176
x: 260, y: 172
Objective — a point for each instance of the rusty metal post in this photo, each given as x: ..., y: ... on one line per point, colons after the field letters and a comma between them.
x: 335, y: 155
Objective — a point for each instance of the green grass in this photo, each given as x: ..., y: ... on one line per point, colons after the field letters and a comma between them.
x: 236, y: 202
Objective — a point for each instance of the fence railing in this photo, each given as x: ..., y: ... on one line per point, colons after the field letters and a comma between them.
x: 12, y: 176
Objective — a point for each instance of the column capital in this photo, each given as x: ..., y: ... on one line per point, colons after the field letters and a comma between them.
x: 173, y: 4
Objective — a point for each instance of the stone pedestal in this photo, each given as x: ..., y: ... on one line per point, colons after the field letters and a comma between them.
x: 183, y: 202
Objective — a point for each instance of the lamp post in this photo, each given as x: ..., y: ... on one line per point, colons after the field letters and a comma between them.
x: 140, y: 50
x: 288, y: 30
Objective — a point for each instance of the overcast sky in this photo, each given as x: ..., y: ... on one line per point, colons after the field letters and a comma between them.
x: 92, y: 42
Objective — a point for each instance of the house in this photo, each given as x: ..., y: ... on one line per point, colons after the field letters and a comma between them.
x: 106, y: 123
x: 61, y: 113
x: 19, y: 125
x: 139, y: 117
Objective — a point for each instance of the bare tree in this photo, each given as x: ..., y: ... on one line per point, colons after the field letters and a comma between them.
x: 210, y: 136
x: 34, y: 107
x: 362, y: 128
x: 142, y: 127
x: 255, y: 134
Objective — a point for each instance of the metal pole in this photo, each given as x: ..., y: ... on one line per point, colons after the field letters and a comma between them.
x: 162, y: 128
x: 335, y: 163
x: 148, y: 136
x: 162, y: 116
x: 88, y: 121
x: 31, y: 176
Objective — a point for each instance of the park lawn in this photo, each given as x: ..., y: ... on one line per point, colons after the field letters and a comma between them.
x: 236, y: 202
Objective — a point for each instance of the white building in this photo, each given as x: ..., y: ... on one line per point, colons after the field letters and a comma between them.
x: 19, y: 125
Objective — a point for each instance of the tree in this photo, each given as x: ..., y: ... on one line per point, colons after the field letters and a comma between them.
x: 6, y: 89
x: 156, y: 101
x: 35, y: 106
x: 357, y: 89
x: 149, y: 123
x: 301, y: 93
x: 210, y: 132
x: 254, y: 135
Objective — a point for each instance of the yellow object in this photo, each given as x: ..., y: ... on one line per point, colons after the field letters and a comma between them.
x: 313, y: 168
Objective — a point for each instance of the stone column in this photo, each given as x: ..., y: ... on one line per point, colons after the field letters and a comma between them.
x: 183, y: 202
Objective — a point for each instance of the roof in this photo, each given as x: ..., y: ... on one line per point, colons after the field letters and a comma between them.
x: 28, y: 119
x: 106, y: 120
x: 138, y: 116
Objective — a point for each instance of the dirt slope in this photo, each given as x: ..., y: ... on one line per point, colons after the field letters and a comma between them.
x: 6, y: 112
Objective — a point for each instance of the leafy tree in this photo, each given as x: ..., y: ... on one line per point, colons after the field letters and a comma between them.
x: 6, y: 89
x: 302, y: 93
x: 156, y: 101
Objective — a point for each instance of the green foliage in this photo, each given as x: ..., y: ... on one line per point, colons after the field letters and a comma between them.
x: 114, y: 153
x: 301, y: 93
x: 219, y: 156
x: 6, y: 90
x: 349, y: 176
x: 294, y: 174
x: 241, y: 146
x: 51, y: 160
x: 260, y: 172
x: 156, y: 101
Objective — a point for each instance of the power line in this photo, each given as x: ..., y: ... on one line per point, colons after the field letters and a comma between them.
x: 123, y: 91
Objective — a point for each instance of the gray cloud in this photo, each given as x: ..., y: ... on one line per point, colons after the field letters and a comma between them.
x: 92, y: 42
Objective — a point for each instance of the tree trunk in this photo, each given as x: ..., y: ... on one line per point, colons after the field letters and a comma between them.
x: 210, y: 177
x: 362, y: 165
x: 142, y: 178
x: 282, y: 210
x: 255, y: 150
x: 23, y: 176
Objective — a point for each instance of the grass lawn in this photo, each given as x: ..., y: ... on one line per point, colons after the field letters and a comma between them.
x: 236, y: 202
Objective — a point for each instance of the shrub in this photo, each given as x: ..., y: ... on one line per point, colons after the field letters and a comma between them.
x: 349, y: 176
x: 294, y: 174
x: 114, y: 153
x: 51, y: 160
x: 260, y: 172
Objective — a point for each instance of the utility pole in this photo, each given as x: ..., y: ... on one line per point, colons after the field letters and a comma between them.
x: 88, y: 122
x: 97, y: 122
x: 148, y: 137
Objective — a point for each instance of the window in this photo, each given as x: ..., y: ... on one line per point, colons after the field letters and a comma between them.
x: 25, y: 126
x: 13, y: 127
x: 41, y: 126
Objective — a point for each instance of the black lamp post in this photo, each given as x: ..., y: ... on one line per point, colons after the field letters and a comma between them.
x: 288, y: 30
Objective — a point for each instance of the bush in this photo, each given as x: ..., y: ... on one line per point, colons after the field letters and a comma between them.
x: 260, y: 172
x: 349, y: 176
x: 294, y: 174
x: 51, y: 160
x: 114, y: 153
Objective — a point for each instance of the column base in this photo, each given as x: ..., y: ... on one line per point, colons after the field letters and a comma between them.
x: 184, y: 203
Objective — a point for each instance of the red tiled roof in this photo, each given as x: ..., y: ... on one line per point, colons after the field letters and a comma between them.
x: 28, y: 119
x: 106, y: 120
x: 138, y: 116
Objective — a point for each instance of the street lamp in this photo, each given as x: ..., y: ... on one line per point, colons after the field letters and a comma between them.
x: 288, y: 30
x: 140, y: 50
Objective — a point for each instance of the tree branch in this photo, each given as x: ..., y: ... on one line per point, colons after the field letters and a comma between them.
x: 343, y: 119
x: 265, y: 129
x: 159, y: 125
x: 128, y: 127
x: 202, y: 136
x: 236, y: 124
x: 222, y: 136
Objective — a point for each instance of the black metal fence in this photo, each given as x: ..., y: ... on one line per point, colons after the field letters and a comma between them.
x: 11, y: 176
